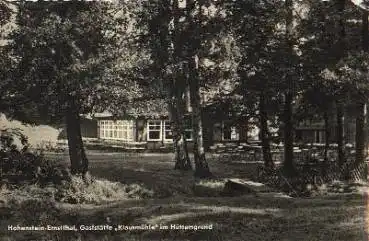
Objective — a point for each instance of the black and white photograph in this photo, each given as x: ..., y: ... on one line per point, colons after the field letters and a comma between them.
x: 181, y: 120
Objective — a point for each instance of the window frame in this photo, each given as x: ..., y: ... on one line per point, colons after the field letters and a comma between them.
x: 165, y: 139
x: 154, y: 130
x: 111, y: 130
x: 163, y: 131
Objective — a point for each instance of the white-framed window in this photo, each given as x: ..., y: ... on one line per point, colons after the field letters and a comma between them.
x: 154, y: 130
x: 230, y: 132
x: 117, y: 130
x: 158, y: 130
x: 168, y: 135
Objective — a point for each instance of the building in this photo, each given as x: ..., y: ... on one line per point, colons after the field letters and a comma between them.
x: 313, y: 130
x: 148, y: 127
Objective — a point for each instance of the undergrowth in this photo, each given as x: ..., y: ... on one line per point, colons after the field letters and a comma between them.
x: 26, y: 175
x: 77, y: 191
x: 313, y: 178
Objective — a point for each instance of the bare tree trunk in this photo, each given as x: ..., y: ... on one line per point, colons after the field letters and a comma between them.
x: 341, y: 52
x: 288, y: 164
x: 360, y: 134
x: 168, y: 55
x: 361, y: 118
x: 181, y: 157
x: 201, y: 165
x: 327, y: 135
x: 340, y: 135
x: 265, y: 142
x: 77, y: 155
x: 327, y: 142
x: 246, y: 125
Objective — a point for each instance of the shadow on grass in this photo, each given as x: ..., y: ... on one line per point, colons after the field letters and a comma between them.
x: 233, y: 218
x: 248, y: 217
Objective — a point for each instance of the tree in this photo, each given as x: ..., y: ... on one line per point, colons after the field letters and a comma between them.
x: 193, y: 44
x: 361, y: 119
x: 340, y: 5
x: 288, y: 163
x: 62, y: 52
x: 5, y: 17
x: 255, y: 25
x: 163, y: 41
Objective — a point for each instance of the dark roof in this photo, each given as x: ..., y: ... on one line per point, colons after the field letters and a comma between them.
x: 149, y: 109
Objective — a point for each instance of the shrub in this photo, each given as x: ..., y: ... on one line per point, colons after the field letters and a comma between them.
x: 18, y: 165
x: 98, y: 191
x: 34, y: 211
x: 46, y: 179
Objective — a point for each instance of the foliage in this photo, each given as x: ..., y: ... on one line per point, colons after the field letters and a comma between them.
x: 8, y: 138
x: 5, y: 12
x: 99, y: 191
x: 58, y: 50
x: 35, y: 212
x: 312, y: 175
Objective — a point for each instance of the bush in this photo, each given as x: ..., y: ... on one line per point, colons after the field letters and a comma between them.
x: 312, y: 176
x: 98, y: 191
x: 34, y: 211
x: 19, y: 165
x: 30, y: 175
x: 9, y: 137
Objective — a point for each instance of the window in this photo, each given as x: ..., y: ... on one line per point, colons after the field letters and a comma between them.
x: 318, y: 137
x: 230, y: 133
x: 168, y: 136
x: 154, y: 130
x: 117, y: 130
x: 158, y: 130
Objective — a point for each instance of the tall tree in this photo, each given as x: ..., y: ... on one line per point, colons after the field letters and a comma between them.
x: 194, y: 12
x: 61, y: 51
x: 163, y: 40
x: 288, y: 163
x: 361, y: 119
x: 255, y: 23
x: 178, y: 88
x: 265, y: 134
x: 340, y: 6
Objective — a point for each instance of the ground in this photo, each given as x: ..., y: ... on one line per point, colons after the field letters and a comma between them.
x: 180, y: 199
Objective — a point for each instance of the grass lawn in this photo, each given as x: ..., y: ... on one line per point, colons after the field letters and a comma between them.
x: 179, y: 199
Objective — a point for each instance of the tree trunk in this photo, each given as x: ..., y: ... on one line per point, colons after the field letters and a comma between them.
x: 182, y: 160
x: 327, y: 142
x: 77, y: 155
x: 246, y: 125
x: 201, y: 165
x: 327, y: 135
x: 264, y: 130
x: 177, y: 86
x: 194, y: 43
x: 340, y: 135
x: 181, y: 157
x: 167, y: 56
x: 360, y: 134
x: 288, y: 166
